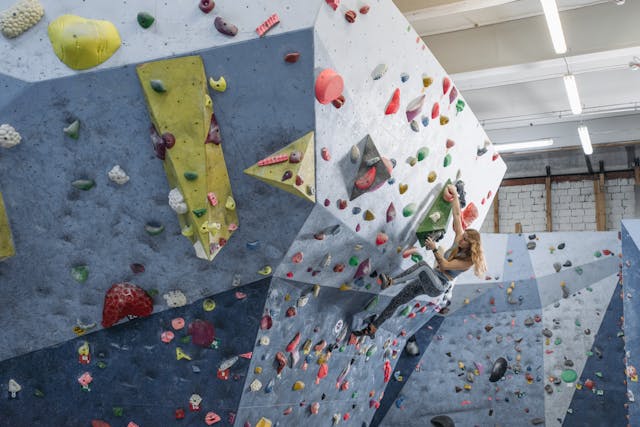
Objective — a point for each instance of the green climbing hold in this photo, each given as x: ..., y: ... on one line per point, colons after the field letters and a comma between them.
x: 599, y: 374
x: 73, y: 129
x: 118, y: 411
x: 416, y: 257
x: 589, y: 288
x: 597, y: 254
x: 558, y: 341
x: 101, y: 364
x: 199, y: 212
x: 185, y: 339
x: 460, y: 105
x: 190, y: 176
x: 371, y: 350
x: 80, y: 273
x: 447, y: 160
x: 83, y: 184
x: 38, y: 393
x: 371, y: 304
x: 353, y: 261
x: 569, y: 375
x: 154, y: 228
x: 579, y: 270
x: 145, y: 20
x: 152, y: 292
x: 422, y: 153
x: 409, y: 210
x: 158, y: 86
x: 405, y: 311
x: 578, y: 323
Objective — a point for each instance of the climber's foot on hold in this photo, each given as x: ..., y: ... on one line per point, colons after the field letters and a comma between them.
x: 369, y: 331
x: 386, y: 281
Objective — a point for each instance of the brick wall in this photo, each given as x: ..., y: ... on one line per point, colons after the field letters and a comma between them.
x: 573, y: 206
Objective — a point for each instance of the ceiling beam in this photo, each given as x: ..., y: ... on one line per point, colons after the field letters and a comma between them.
x: 453, y: 8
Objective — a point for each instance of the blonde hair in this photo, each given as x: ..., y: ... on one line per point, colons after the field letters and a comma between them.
x: 475, y: 252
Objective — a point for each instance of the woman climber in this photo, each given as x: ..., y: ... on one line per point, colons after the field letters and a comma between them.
x: 465, y: 253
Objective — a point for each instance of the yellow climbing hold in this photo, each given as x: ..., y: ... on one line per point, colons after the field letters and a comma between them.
x: 230, y: 204
x: 6, y: 242
x: 83, y: 350
x: 82, y: 43
x: 265, y: 271
x: 187, y: 231
x: 219, y: 85
x: 316, y: 290
x: 298, y: 385
x: 369, y: 216
x: 264, y: 422
x: 181, y: 354
x: 432, y: 177
x: 345, y: 287
x: 258, y: 370
x: 208, y: 304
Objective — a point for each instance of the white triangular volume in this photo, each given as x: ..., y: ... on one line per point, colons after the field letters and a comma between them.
x: 573, y: 317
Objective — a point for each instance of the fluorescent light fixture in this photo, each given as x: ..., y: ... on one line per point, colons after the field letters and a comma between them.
x: 550, y: 9
x: 515, y: 146
x: 585, y: 139
x: 572, y: 93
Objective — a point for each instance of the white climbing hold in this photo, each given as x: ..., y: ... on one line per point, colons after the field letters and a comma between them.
x: 20, y: 17
x: 176, y: 201
x: 14, y: 388
x: 256, y: 385
x: 264, y: 340
x: 9, y: 137
x: 379, y: 71
x: 175, y: 299
x: 118, y: 175
x: 435, y: 216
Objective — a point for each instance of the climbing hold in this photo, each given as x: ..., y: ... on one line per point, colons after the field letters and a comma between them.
x: 404, y: 77
x: 460, y: 106
x: 446, y: 84
x: 83, y: 43
x: 426, y: 81
x: 80, y: 273
x: 569, y: 375
x: 265, y: 271
x: 561, y: 246
x: 145, y: 19
x: 9, y: 137
x: 157, y: 86
x: 422, y: 154
x: 369, y: 216
x: 403, y: 188
x: 364, y: 9
x: 415, y: 107
x: 211, y: 418
x: 225, y: 27
x: 394, y: 103
x: 125, y: 299
x: 329, y: 85
x: 435, y: 110
x: 206, y: 6
x: 291, y: 312
x: 453, y: 95
x: 531, y: 245
x: 381, y: 239
x: 557, y: 266
x: 219, y: 85
x: 20, y: 17
x: 298, y: 385
x: 73, y: 129
x: 379, y: 71
x: 498, y: 370
x: 409, y: 210
x: 450, y: 143
x: 444, y: 120
x: 268, y: 24
x: 442, y: 421
x: 202, y: 332
x: 567, y: 264
x: 425, y: 121
x: 350, y: 16
x: 431, y: 178
x: 414, y: 126
x: 391, y: 212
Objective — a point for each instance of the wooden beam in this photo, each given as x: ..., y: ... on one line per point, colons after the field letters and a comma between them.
x: 629, y: 173
x: 496, y: 213
x: 518, y: 229
x: 547, y: 187
x: 599, y: 192
x: 636, y: 172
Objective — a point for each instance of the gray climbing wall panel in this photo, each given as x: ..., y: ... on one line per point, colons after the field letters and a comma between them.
x: 631, y: 277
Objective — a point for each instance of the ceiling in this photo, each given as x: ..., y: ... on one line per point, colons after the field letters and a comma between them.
x: 499, y: 54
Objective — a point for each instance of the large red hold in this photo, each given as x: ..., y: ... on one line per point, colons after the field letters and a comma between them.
x: 202, y: 332
x: 394, y: 103
x: 125, y: 299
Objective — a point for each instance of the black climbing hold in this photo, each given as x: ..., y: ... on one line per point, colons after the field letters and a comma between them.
x: 532, y: 236
x: 567, y: 264
x: 498, y: 370
x: 561, y: 246
x: 531, y: 245
x: 442, y: 421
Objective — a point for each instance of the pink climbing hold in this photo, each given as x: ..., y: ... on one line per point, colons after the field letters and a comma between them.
x: 167, y: 337
x: 387, y: 371
x: 391, y: 212
x: 293, y: 344
x: 446, y: 84
x: 469, y: 214
x: 329, y: 86
x: 240, y: 295
x: 202, y: 332
x: 453, y: 95
x: 381, y: 239
x: 281, y: 158
x: 450, y: 143
x: 271, y: 22
x: 297, y: 258
x: 333, y: 3
x: 213, y: 200
x: 325, y: 153
x: 266, y: 322
x: 394, y: 103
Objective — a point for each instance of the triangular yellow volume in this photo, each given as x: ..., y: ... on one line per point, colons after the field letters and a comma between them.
x: 290, y: 169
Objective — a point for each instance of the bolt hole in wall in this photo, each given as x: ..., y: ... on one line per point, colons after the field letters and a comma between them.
x: 573, y: 206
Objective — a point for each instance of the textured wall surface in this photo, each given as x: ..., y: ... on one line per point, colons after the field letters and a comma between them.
x: 631, y: 276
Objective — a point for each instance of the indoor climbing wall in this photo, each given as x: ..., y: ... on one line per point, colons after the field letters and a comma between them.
x: 200, y: 200
x: 551, y: 308
x: 631, y: 277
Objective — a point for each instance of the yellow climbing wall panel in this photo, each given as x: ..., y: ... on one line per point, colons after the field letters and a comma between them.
x: 185, y: 111
x: 6, y: 242
x: 301, y: 181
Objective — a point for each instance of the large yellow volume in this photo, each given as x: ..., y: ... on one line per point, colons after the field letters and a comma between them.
x: 6, y: 242
x: 83, y: 43
x: 193, y: 165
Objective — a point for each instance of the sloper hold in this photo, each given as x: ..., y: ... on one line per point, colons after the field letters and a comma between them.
x: 272, y: 173
x: 428, y: 225
x: 190, y: 125
x: 367, y: 181
x: 7, y: 249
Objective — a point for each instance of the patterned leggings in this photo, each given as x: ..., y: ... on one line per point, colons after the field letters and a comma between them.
x: 423, y: 280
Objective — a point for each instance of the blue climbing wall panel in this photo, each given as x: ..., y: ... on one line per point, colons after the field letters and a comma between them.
x: 631, y: 286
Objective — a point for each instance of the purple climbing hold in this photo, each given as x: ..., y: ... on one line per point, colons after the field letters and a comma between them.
x: 214, y: 131
x: 202, y: 332
x: 363, y: 269
x: 391, y: 212
x: 287, y: 175
x: 225, y: 27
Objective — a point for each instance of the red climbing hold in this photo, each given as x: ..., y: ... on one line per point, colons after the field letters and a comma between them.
x: 366, y: 180
x: 450, y: 143
x: 292, y: 57
x: 435, y: 111
x: 266, y: 322
x: 125, y: 299
x: 333, y: 3
x: 469, y: 214
x: 446, y: 84
x: 281, y: 361
x: 323, y: 370
x: 387, y: 371
x: 99, y: 423
x: 329, y: 86
x: 202, y: 332
x: 293, y: 344
x: 495, y: 156
x: 206, y: 5
x: 394, y: 103
x: 364, y: 9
